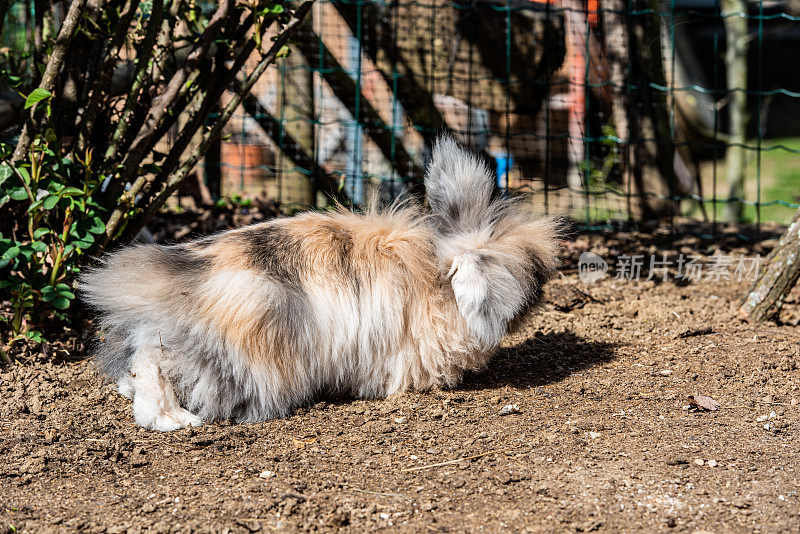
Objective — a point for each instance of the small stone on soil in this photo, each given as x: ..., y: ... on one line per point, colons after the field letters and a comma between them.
x: 509, y: 409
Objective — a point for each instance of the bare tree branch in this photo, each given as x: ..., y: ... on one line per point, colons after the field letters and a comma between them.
x: 115, y: 222
x: 141, y: 142
x: 292, y: 149
x: 143, y: 59
x: 213, y: 133
x: 52, y: 69
x: 100, y: 84
x: 778, y: 276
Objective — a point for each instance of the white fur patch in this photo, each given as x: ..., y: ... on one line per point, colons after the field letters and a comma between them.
x: 125, y: 386
x: 155, y: 405
x: 487, y: 296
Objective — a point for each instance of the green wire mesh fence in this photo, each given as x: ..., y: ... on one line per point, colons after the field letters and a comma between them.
x: 602, y: 109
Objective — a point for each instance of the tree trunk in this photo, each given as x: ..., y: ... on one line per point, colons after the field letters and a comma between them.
x: 212, y: 165
x: 778, y: 276
x: 736, y: 66
x: 654, y: 148
x: 297, y: 98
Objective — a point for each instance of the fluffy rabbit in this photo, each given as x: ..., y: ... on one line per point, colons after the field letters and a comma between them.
x: 251, y: 323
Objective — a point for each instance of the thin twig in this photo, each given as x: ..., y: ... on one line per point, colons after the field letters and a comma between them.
x: 382, y: 493
x: 448, y: 462
x: 102, y: 82
x: 202, y: 102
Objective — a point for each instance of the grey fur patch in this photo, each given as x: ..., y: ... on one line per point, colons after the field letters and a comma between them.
x: 113, y: 356
x: 179, y: 260
x: 274, y: 251
x: 459, y: 187
x: 178, y: 263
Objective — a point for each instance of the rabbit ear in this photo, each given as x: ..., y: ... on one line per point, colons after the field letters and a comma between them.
x: 487, y: 294
x: 458, y: 186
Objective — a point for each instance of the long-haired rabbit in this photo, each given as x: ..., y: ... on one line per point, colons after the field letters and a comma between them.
x: 251, y: 323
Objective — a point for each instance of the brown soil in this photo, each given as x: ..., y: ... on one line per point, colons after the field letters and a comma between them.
x: 603, y: 441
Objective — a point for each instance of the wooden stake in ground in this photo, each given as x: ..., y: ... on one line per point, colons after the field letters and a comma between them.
x: 735, y: 13
x: 777, y: 277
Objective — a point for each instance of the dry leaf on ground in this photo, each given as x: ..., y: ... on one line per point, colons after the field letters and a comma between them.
x: 703, y: 403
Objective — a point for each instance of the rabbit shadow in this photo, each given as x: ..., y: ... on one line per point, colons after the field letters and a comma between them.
x: 540, y: 360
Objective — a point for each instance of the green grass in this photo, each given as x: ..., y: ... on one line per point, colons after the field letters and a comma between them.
x: 779, y: 180
x: 784, y: 168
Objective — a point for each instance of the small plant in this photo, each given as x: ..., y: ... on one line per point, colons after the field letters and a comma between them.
x: 57, y: 222
x: 599, y: 176
x: 234, y: 201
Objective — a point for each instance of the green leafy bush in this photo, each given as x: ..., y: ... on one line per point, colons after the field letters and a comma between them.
x: 57, y: 221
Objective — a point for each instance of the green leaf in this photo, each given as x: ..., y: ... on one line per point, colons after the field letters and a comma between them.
x: 62, y: 287
x: 6, y: 172
x: 25, y: 174
x: 39, y: 246
x: 85, y: 241
x: 26, y: 251
x: 37, y: 95
x: 40, y: 232
x: 71, y: 192
x: 4, y: 284
x: 4, y: 263
x: 18, y: 193
x: 4, y: 200
x: 67, y: 294
x: 48, y: 290
x: 62, y: 303
x: 47, y: 297
x: 96, y: 225
x: 50, y: 202
x: 11, y: 253
x: 33, y: 335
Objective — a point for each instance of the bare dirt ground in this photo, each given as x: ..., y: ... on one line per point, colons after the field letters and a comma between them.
x: 603, y: 440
